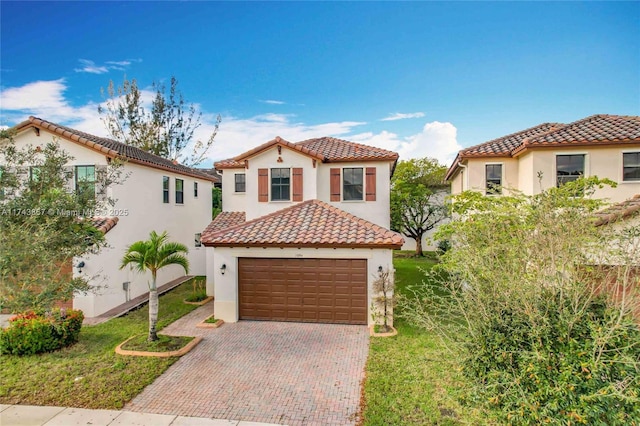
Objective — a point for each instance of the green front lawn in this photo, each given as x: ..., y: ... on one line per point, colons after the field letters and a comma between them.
x: 89, y: 374
x: 411, y: 378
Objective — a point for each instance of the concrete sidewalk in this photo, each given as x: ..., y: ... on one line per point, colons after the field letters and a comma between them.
x: 32, y: 415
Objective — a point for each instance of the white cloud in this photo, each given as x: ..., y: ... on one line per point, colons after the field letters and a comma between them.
x: 236, y: 135
x: 273, y: 102
x: 91, y: 68
x: 402, y: 116
x: 436, y: 140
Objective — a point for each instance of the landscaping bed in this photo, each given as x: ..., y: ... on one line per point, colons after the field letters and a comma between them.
x: 90, y: 374
x: 411, y: 378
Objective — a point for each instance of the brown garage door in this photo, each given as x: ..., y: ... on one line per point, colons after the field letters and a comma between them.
x: 307, y: 290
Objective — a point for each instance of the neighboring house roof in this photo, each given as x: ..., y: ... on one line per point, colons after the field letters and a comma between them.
x: 623, y: 210
x: 325, y: 149
x: 113, y: 149
x: 224, y: 220
x: 312, y: 223
x: 104, y: 224
x: 596, y: 130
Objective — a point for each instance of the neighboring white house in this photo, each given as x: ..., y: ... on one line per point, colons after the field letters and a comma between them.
x: 157, y: 195
x: 304, y: 232
x: 607, y: 146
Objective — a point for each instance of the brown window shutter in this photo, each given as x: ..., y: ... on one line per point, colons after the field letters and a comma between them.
x: 371, y: 183
x: 263, y: 185
x: 297, y: 184
x: 335, y: 184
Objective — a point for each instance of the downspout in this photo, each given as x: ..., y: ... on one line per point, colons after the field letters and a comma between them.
x: 465, y: 181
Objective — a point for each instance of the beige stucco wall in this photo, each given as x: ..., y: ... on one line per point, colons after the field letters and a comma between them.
x: 605, y: 162
x: 226, y: 286
x: 522, y: 172
x: 140, y: 210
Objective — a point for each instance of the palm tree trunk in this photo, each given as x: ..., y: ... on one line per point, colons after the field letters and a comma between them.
x: 153, y: 310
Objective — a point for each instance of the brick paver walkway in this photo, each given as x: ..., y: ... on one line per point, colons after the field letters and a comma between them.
x: 275, y: 372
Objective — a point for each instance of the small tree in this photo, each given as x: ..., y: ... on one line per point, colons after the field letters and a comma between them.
x: 44, y: 224
x: 216, y: 202
x: 166, y: 129
x: 538, y: 302
x: 383, y: 300
x: 417, y: 198
x: 152, y: 255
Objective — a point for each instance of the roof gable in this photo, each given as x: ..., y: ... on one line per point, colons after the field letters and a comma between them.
x: 312, y: 223
x: 324, y: 149
x: 112, y: 148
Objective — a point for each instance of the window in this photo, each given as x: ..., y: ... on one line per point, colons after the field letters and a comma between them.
x: 352, y: 186
x: 86, y: 182
x: 630, y: 166
x: 165, y: 189
x: 240, y: 181
x: 198, y: 240
x: 179, y: 191
x: 494, y: 178
x: 195, y: 189
x: 569, y: 168
x: 34, y: 173
x: 280, y: 184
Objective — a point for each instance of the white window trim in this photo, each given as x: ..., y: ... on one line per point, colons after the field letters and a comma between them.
x: 587, y: 169
x: 621, y: 166
x: 494, y: 163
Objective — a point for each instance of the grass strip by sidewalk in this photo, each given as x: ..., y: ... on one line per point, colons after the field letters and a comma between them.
x: 89, y: 374
x: 411, y: 379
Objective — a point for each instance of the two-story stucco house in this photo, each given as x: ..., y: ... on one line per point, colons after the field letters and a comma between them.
x: 304, y: 232
x: 607, y: 146
x: 157, y: 195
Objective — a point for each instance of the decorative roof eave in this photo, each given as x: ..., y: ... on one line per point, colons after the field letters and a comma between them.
x: 597, y: 143
x: 41, y: 124
x: 278, y: 141
x: 391, y: 246
x: 453, y: 169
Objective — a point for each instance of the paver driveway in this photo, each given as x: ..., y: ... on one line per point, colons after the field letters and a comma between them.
x: 274, y: 372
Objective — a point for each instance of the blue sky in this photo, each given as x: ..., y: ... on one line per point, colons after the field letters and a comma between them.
x: 421, y: 78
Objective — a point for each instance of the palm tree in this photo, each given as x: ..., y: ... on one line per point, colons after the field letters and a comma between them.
x: 153, y: 255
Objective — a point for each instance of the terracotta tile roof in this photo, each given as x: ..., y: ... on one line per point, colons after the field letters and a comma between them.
x: 223, y: 221
x: 504, y: 145
x: 619, y: 211
x: 595, y: 130
x: 113, y: 148
x: 598, y: 129
x: 336, y: 150
x: 325, y: 149
x: 104, y: 224
x: 312, y: 223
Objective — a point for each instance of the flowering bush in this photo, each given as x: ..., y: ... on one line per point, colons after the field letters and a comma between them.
x: 32, y: 333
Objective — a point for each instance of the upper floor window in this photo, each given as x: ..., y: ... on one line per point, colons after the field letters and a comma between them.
x: 179, y: 191
x: 352, y: 184
x: 240, y: 182
x: 630, y: 166
x: 569, y: 168
x: 34, y: 173
x: 165, y: 189
x: 493, y: 174
x: 195, y: 189
x: 280, y: 184
x: 86, y: 181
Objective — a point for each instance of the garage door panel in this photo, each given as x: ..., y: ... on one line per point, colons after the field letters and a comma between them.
x: 308, y: 290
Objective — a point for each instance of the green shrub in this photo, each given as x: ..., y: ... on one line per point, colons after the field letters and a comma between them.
x: 555, y: 372
x: 31, y: 333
